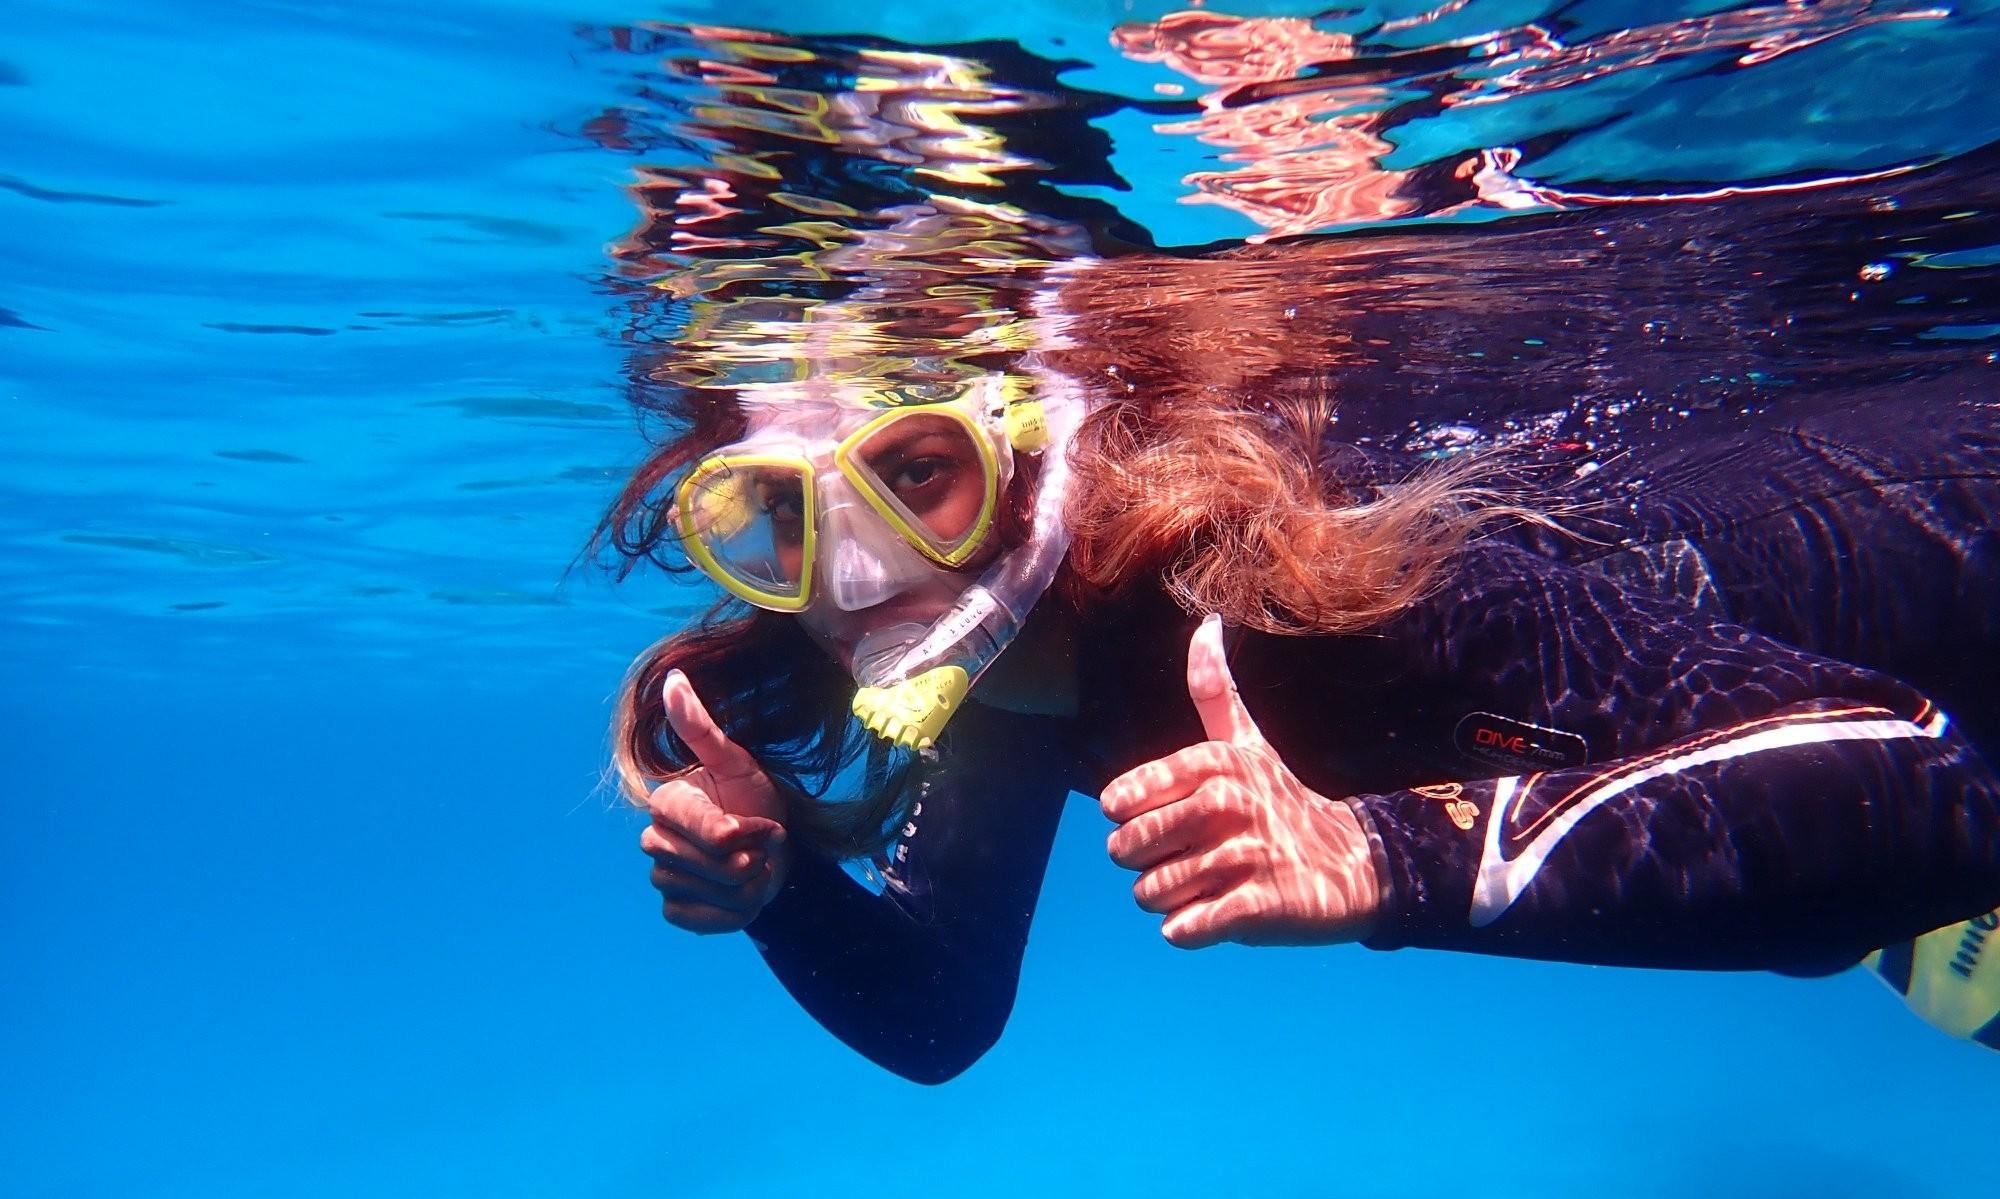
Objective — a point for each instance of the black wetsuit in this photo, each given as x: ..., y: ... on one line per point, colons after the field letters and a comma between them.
x: 1689, y: 743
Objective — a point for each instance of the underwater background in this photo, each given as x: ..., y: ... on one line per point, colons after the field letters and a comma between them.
x: 318, y: 332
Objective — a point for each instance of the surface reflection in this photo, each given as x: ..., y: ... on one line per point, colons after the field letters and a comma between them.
x: 1303, y: 108
x: 886, y: 224
x: 843, y: 220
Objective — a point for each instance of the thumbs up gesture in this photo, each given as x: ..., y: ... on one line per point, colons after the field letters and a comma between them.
x: 1230, y: 845
x: 717, y: 837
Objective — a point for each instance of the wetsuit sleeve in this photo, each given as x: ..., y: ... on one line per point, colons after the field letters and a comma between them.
x: 1764, y: 809
x: 920, y: 978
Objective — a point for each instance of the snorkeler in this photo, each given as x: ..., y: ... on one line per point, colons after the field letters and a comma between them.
x: 1456, y: 727
x: 1708, y: 695
x: 971, y: 493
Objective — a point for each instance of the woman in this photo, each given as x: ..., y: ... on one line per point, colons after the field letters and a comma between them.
x: 1670, y: 727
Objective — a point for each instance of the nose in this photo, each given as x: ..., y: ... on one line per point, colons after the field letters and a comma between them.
x: 862, y: 560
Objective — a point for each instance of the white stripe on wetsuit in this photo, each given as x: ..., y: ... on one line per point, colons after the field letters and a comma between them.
x: 1502, y: 880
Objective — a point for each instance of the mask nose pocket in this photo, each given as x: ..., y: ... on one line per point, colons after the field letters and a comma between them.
x: 864, y: 562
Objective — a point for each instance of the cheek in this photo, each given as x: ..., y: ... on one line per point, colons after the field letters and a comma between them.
x: 955, y: 509
x: 791, y: 559
x: 959, y: 512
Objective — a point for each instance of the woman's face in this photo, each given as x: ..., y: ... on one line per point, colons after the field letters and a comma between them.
x: 910, y: 492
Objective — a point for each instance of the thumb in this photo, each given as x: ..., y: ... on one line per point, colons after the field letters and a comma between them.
x: 725, y: 759
x: 1213, y: 690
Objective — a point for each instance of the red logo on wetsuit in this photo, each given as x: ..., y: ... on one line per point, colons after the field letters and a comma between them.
x: 1518, y: 745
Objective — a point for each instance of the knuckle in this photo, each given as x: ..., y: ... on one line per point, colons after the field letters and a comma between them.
x: 1220, y: 797
x: 672, y: 798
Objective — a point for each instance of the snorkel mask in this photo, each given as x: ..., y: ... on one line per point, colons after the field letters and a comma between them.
x: 849, y: 501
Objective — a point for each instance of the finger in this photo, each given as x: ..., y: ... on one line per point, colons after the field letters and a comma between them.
x: 1175, y: 884
x: 1204, y: 819
x: 1211, y: 921
x: 1166, y: 780
x: 698, y: 917
x: 746, y: 894
x: 687, y: 806
x: 725, y: 759
x: 1213, y: 688
x: 681, y: 886
x: 673, y: 850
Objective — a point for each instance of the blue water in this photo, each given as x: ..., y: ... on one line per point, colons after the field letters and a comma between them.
x: 312, y: 393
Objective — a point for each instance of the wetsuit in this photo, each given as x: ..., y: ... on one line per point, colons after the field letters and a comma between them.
x: 1687, y: 743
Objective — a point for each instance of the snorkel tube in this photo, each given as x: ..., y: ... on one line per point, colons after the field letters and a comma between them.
x: 906, y: 697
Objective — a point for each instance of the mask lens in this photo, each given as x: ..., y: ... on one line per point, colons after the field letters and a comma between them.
x: 749, y: 523
x: 928, y: 474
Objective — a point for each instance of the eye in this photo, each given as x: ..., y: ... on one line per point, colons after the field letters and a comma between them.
x: 783, y: 504
x: 918, y: 473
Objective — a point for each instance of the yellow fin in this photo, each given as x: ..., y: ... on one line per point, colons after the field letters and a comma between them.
x: 1950, y: 977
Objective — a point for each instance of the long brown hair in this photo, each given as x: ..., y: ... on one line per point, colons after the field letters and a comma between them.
x: 1211, y: 463
x: 1239, y: 512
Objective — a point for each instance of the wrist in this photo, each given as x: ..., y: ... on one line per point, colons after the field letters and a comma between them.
x: 1363, y: 859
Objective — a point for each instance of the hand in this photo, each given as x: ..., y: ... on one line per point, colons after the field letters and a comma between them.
x: 717, y: 839
x: 1231, y: 845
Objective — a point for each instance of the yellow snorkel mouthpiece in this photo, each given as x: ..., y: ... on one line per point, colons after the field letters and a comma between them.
x: 910, y: 714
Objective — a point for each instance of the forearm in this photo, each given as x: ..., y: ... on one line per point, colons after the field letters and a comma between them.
x: 1797, y: 842
x: 920, y: 979
x: 893, y: 988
